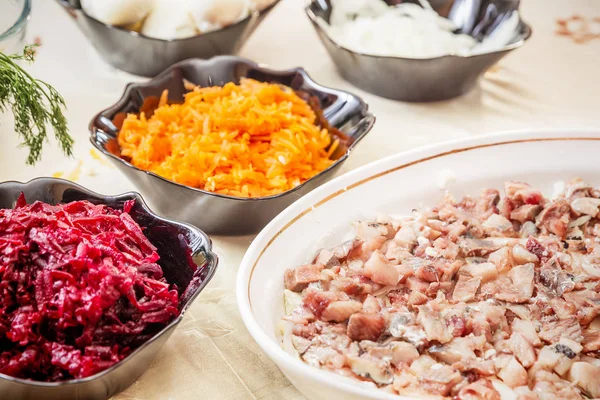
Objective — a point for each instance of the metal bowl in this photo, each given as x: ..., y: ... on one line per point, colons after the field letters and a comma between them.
x: 142, y: 55
x: 344, y: 114
x: 430, y: 79
x: 185, y: 257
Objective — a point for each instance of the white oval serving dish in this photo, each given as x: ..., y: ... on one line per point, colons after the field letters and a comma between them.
x: 393, y: 185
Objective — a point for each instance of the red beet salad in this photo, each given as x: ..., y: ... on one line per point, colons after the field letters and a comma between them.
x: 80, y: 289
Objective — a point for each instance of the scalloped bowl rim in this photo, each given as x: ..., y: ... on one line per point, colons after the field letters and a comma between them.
x: 364, y: 107
x: 520, y: 43
x: 138, y: 198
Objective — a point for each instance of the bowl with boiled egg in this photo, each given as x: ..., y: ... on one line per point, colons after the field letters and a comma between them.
x: 417, y: 50
x: 144, y: 37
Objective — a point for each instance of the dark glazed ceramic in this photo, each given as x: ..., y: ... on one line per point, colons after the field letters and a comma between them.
x: 345, y: 114
x: 431, y: 79
x: 186, y: 259
x: 145, y: 56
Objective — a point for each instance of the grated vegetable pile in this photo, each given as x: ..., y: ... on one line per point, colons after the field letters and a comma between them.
x: 79, y: 289
x: 249, y: 140
x: 411, y: 30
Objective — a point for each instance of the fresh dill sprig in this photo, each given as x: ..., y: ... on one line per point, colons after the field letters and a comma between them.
x: 35, y: 105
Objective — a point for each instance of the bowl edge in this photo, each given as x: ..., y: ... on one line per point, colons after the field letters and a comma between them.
x: 283, y: 221
x: 130, y: 87
x: 211, y: 264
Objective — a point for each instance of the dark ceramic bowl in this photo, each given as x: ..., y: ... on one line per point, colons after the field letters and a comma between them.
x: 141, y: 55
x: 430, y: 79
x: 345, y: 115
x: 185, y: 257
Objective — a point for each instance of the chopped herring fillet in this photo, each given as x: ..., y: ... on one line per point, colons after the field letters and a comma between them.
x: 513, y: 374
x: 548, y: 385
x: 587, y: 303
x: 466, y: 288
x: 435, y: 327
x: 440, y: 379
x: 301, y: 344
x: 459, y: 349
x: 555, y: 279
x: 370, y: 367
x: 555, y: 218
x: 365, y: 326
x: 403, y: 352
x: 406, y: 237
x: 298, y: 279
x: 343, y: 250
x: 527, y: 330
x: 497, y: 225
x: 476, y: 366
x: 379, y: 270
x: 339, y: 311
x: 326, y: 258
x: 519, y: 288
x: 527, y: 229
x: 586, y: 206
x: 480, y: 247
x: 522, y: 349
x: 486, y: 271
x: 487, y: 297
x: 421, y: 365
x: 552, y: 331
x: 591, y: 340
x: 481, y: 389
x: 526, y: 212
x: 520, y: 255
x: 587, y: 377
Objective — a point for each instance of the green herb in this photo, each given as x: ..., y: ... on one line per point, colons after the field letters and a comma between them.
x: 35, y: 105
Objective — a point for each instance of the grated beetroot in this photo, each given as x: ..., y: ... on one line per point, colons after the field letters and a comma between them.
x: 80, y: 289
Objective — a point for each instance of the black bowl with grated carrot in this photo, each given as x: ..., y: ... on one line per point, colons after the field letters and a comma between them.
x: 225, y: 144
x: 254, y: 139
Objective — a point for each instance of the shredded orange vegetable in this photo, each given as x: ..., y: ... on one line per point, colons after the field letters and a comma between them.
x: 249, y: 140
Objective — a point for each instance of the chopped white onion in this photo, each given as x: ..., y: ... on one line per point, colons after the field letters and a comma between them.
x: 407, y: 30
x: 588, y: 267
x: 285, y: 328
x: 584, y: 219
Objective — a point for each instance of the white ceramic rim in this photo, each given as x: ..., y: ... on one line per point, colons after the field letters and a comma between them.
x: 328, y: 191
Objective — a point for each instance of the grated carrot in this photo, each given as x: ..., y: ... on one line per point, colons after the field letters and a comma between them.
x: 249, y: 140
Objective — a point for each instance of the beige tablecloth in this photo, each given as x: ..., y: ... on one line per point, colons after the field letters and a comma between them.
x: 552, y: 82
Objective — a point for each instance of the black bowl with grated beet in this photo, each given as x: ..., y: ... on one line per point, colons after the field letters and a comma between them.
x: 109, y: 360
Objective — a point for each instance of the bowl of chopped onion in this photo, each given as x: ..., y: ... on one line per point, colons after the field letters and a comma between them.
x: 226, y: 144
x: 144, y: 37
x: 92, y: 287
x: 413, y: 50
